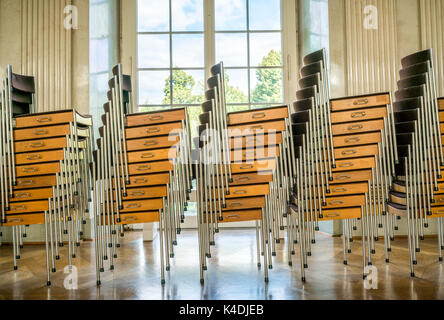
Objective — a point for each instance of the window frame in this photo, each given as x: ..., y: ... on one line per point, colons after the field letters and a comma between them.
x: 289, y: 36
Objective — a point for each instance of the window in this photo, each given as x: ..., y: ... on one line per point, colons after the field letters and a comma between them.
x: 171, y: 61
x: 171, y: 50
x: 103, y: 53
x: 248, y: 37
x: 176, y: 47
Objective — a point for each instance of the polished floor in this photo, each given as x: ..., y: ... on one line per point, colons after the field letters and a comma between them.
x: 232, y: 272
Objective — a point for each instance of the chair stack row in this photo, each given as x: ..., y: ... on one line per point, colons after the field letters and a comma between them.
x: 44, y: 173
x: 344, y: 162
x: 416, y: 190
x: 143, y: 173
x: 243, y: 171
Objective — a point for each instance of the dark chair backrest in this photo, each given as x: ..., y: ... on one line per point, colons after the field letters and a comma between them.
x: 306, y: 93
x: 417, y: 57
x: 310, y: 81
x: 314, y: 57
x: 407, y: 104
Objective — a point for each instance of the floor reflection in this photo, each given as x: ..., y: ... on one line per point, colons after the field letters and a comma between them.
x: 232, y: 272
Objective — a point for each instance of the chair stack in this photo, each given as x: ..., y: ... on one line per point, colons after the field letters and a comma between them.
x: 143, y: 173
x: 243, y: 170
x: 44, y: 178
x: 419, y: 149
x: 343, y: 161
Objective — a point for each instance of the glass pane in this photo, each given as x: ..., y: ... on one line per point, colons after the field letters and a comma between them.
x: 319, y: 17
x: 188, y: 51
x: 230, y: 15
x: 261, y: 106
x: 187, y: 15
x: 188, y: 86
x: 99, y: 19
x: 154, y: 87
x: 232, y: 49
x: 265, y: 14
x: 153, y: 15
x: 193, y: 113
x: 266, y: 85
x: 234, y: 108
x: 150, y: 109
x: 99, y: 55
x: 265, y: 49
x: 153, y: 51
x: 236, y: 86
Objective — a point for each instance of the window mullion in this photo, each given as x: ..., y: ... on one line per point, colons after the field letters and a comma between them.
x: 171, y: 53
x: 209, y: 35
x: 248, y: 54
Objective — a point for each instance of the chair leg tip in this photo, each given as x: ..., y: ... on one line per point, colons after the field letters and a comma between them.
x: 99, y: 283
x: 202, y: 281
x: 266, y: 280
x: 345, y: 262
x: 48, y: 283
x: 303, y: 279
x: 387, y: 260
x: 412, y: 274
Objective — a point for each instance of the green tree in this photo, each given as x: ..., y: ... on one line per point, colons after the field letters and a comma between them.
x: 233, y: 94
x: 269, y: 80
x: 183, y: 87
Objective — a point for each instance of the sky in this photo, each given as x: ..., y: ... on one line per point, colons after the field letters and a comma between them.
x: 188, y: 49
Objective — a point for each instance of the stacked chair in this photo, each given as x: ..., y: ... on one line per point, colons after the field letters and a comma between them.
x: 143, y: 173
x: 44, y: 170
x: 243, y: 170
x: 344, y: 162
x: 417, y: 188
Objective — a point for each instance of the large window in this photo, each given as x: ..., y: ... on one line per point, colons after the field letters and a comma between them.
x: 248, y: 41
x: 173, y: 42
x: 103, y: 54
x: 171, y: 59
